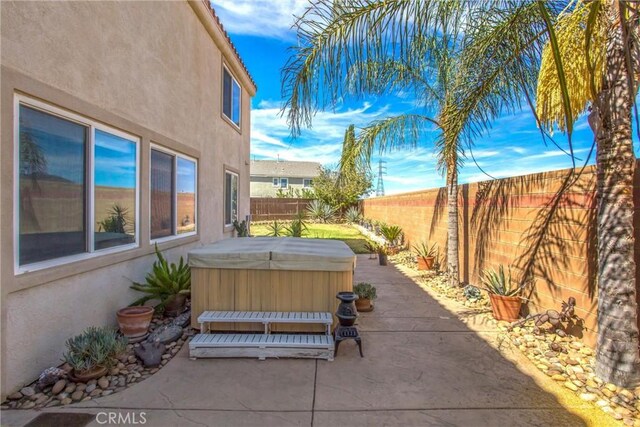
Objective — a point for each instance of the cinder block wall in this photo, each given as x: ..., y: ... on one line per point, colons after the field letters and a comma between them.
x: 525, y: 222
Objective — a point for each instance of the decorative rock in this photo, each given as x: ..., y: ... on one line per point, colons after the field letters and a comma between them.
x: 77, y: 395
x: 558, y: 378
x: 96, y: 392
x: 84, y: 399
x: 120, y: 365
x: 90, y: 388
x: 132, y: 359
x: 80, y: 386
x: 182, y: 320
x: 165, y: 334
x: 58, y: 386
x: 15, y: 396
x: 28, y: 404
x: 150, y: 353
x: 114, y: 371
x: 571, y: 361
x: 54, y: 402
x: 103, y: 383
x: 63, y: 395
x: 626, y: 394
x: 36, y: 396
x: 578, y: 383
x: 607, y: 392
x: 66, y: 401
x: 589, y: 397
x: 107, y: 392
x: 611, y: 387
x: 28, y: 391
x: 602, y: 403
x: 42, y: 399
x: 92, y: 382
x: 50, y: 376
x: 571, y: 386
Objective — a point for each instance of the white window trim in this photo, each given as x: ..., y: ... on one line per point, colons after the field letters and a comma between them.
x: 92, y: 125
x: 175, y: 155
x: 229, y: 119
x: 224, y: 213
x: 276, y: 182
x: 286, y: 186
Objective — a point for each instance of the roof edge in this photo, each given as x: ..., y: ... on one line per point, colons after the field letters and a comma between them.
x: 214, y: 27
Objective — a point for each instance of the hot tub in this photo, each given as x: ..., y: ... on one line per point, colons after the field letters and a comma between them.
x: 269, y: 274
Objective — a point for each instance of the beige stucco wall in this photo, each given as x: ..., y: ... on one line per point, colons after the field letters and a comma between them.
x: 152, y: 69
x: 263, y: 186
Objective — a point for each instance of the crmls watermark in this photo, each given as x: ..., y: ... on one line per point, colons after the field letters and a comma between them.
x: 121, y: 418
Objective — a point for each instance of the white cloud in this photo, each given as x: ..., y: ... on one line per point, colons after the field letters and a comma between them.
x: 265, y: 18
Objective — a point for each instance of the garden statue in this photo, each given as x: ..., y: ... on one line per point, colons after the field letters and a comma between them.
x: 552, y: 317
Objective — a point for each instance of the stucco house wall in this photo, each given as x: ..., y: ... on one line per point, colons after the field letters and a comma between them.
x: 262, y: 186
x: 151, y: 69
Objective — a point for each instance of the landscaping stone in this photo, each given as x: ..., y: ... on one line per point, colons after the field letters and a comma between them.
x: 66, y: 401
x: 15, y: 396
x: 77, y: 395
x: 103, y: 383
x: 28, y: 404
x: 90, y: 388
x: 58, y: 386
x: 28, y: 391
x: 166, y: 334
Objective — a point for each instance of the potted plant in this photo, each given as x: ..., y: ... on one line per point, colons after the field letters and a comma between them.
x: 93, y: 352
x: 392, y: 234
x: 382, y: 254
x: 170, y: 284
x: 134, y: 321
x: 426, y: 255
x: 504, y: 296
x: 366, y: 294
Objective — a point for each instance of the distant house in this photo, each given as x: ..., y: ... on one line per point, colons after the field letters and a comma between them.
x: 269, y: 176
x: 124, y: 125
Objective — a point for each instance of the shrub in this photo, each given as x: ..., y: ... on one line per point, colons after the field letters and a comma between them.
x: 365, y: 290
x: 352, y: 215
x: 391, y: 233
x: 320, y: 211
x: 94, y: 347
x: 276, y: 229
x: 165, y: 282
x: 297, y: 227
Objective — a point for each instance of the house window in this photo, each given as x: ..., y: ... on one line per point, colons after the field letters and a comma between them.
x: 276, y: 182
x: 230, y: 197
x: 231, y: 94
x: 307, y: 183
x: 173, y: 194
x: 284, y: 182
x: 77, y: 186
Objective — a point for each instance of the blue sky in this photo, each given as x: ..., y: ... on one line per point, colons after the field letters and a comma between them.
x: 260, y: 30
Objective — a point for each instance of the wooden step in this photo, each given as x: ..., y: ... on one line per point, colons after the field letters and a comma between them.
x: 262, y: 346
x: 265, y: 317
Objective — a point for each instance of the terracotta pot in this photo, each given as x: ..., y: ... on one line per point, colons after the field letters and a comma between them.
x: 426, y: 263
x: 175, y: 305
x: 364, y: 305
x: 134, y: 321
x: 382, y: 258
x: 505, y: 308
x: 91, y: 374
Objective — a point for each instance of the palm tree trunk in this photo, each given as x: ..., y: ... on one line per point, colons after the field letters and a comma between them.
x: 453, y: 265
x: 617, y: 358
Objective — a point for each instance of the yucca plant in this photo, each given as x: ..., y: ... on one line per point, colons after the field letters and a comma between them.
x: 499, y: 283
x: 166, y: 282
x: 391, y: 233
x: 297, y: 226
x: 320, y: 211
x: 423, y: 250
x: 276, y: 229
x: 352, y: 215
x: 94, y: 347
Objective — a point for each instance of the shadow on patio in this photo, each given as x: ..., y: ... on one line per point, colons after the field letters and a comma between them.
x: 422, y: 366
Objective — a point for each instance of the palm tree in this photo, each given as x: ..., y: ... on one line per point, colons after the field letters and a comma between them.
x: 381, y: 47
x: 599, y: 41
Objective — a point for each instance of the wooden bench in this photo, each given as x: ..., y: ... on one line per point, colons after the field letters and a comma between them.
x: 264, y: 317
x: 262, y: 346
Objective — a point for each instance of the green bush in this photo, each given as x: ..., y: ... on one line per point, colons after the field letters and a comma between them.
x: 391, y: 233
x: 320, y: 211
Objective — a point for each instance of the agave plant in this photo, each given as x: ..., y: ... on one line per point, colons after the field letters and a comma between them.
x: 94, y: 347
x: 276, y: 229
x: 320, y: 211
x: 498, y: 283
x: 423, y: 250
x: 391, y: 233
x: 166, y: 282
x: 297, y: 226
x: 352, y: 215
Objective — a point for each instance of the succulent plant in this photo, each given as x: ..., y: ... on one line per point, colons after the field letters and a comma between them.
x: 365, y: 290
x: 94, y: 347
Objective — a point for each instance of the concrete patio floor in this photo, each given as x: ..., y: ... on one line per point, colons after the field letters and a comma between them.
x: 423, y: 365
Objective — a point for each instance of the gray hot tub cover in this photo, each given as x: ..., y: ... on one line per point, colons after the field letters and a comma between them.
x: 275, y: 253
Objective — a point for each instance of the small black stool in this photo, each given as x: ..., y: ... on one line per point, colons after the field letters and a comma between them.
x: 342, y: 333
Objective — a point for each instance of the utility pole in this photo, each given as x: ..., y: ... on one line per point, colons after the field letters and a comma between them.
x: 382, y: 170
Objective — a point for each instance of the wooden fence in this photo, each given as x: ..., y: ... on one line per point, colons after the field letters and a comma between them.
x: 270, y: 208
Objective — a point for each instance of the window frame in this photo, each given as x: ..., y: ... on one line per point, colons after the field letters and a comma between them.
x: 286, y: 187
x: 92, y: 125
x: 174, y: 207
x: 229, y: 171
x: 304, y: 182
x: 237, y: 126
x: 276, y: 182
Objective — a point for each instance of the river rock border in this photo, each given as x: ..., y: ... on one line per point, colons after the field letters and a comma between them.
x: 127, y: 371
